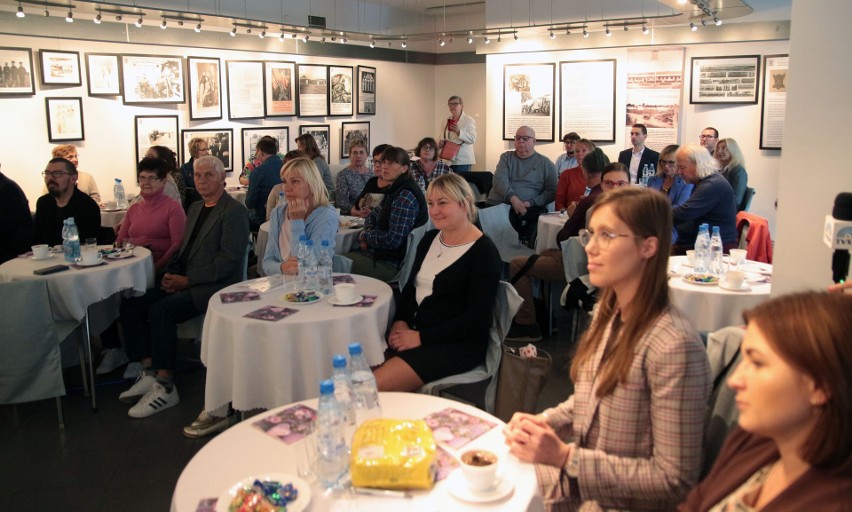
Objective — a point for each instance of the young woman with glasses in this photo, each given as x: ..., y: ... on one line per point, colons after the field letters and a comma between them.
x: 630, y: 435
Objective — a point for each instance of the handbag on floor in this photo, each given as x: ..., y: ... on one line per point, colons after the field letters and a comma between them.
x: 520, y: 381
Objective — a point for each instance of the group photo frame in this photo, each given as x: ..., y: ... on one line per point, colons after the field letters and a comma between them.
x: 64, y: 119
x: 366, y: 83
x: 220, y: 141
x: 59, y: 68
x: 103, y: 74
x: 16, y: 72
x: 205, y: 88
x: 729, y: 79
x: 322, y: 134
x: 152, y: 79
x: 156, y: 131
x: 279, y: 89
x: 528, y: 99
x: 250, y: 136
x: 350, y: 132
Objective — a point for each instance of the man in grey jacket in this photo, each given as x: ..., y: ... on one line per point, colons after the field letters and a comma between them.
x: 210, y: 258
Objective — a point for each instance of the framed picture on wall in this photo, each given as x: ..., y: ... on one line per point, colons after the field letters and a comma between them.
x: 280, y: 95
x: 219, y: 140
x: 152, y: 79
x: 156, y: 131
x: 587, y: 99
x: 732, y: 79
x: 321, y: 134
x: 252, y: 135
x: 340, y: 78
x: 205, y: 91
x: 313, y: 90
x: 245, y: 89
x: 351, y: 132
x: 103, y: 74
x: 366, y: 90
x: 59, y: 68
x: 528, y: 99
x: 776, y: 73
x: 64, y: 119
x: 16, y: 78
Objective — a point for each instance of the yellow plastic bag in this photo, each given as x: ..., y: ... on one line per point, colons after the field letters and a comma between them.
x: 393, y: 454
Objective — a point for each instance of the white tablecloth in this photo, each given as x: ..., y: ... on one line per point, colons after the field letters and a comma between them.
x: 73, y: 291
x: 548, y: 228
x: 711, y: 307
x: 345, y: 240
x: 261, y: 364
x: 244, y: 450
x: 238, y: 193
x: 110, y: 219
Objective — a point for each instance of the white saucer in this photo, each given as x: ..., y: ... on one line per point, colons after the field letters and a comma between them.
x: 95, y: 264
x: 41, y: 259
x: 333, y: 301
x: 120, y: 255
x: 745, y: 287
x: 457, y: 486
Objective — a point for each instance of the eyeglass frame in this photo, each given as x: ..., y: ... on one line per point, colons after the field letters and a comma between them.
x: 54, y: 174
x: 453, y: 104
x: 586, y: 236
x: 702, y: 136
x: 148, y: 179
x: 524, y: 138
x: 616, y: 184
x: 668, y: 162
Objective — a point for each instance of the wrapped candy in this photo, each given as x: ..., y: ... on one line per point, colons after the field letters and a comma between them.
x: 529, y: 351
x: 269, y: 496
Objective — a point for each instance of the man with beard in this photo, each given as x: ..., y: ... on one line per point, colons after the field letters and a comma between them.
x: 63, y: 200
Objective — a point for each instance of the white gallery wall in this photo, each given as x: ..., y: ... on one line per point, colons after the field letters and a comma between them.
x: 467, y: 81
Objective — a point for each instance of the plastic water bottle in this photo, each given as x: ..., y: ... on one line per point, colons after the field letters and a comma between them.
x: 363, y: 386
x: 299, y: 253
x: 325, y: 256
x: 343, y: 393
x: 118, y: 192
x: 310, y: 268
x: 643, y: 179
x: 332, y: 456
x: 717, y: 266
x: 281, y: 199
x: 71, y: 240
x: 702, y: 250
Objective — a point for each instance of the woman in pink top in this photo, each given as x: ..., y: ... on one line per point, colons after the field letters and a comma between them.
x: 158, y: 221
x: 571, y: 186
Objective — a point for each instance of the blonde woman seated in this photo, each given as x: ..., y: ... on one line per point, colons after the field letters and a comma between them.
x: 630, y: 436
x: 272, y: 199
x: 443, y: 315
x: 792, y: 449
x: 306, y: 212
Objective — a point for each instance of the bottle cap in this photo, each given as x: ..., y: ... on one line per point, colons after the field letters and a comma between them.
x: 117, y: 180
x: 310, y: 243
x: 354, y: 349
x: 303, y: 238
x: 324, y: 243
x: 338, y: 361
x: 326, y: 387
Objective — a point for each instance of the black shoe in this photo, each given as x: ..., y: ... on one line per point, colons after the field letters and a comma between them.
x: 527, y: 333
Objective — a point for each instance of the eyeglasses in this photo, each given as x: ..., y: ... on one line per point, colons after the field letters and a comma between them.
x: 667, y: 162
x: 707, y: 136
x: 615, y: 184
x: 523, y: 138
x: 604, y: 238
x: 569, y: 141
x: 148, y: 179
x: 54, y: 174
x: 453, y: 104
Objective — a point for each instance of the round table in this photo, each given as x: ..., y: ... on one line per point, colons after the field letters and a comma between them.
x: 238, y: 193
x: 111, y: 218
x: 244, y: 450
x: 711, y: 307
x: 263, y: 364
x: 345, y: 240
x: 548, y: 227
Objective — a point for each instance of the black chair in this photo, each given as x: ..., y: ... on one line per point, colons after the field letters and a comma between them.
x: 106, y: 235
x: 749, y: 195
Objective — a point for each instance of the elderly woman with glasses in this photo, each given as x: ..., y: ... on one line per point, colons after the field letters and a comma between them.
x: 629, y: 437
x: 667, y: 180
x: 428, y: 167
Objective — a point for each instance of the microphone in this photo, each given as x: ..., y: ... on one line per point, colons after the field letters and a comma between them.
x: 837, y: 235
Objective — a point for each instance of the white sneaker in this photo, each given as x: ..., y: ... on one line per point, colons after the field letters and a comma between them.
x: 144, y: 383
x: 154, y: 401
x: 133, y: 371
x: 113, y: 358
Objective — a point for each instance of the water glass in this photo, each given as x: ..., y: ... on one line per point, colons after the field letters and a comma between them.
x: 736, y: 258
x: 91, y: 242
x: 128, y: 246
x: 306, y: 456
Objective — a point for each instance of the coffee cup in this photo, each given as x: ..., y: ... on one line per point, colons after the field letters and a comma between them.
x: 41, y: 251
x: 344, y: 292
x: 90, y: 255
x: 690, y: 256
x: 479, y: 468
x: 735, y: 278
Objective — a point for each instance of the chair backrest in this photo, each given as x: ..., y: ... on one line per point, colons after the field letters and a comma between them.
x: 249, y: 246
x: 410, y: 251
x: 574, y: 260
x: 758, y: 242
x: 746, y: 204
x: 31, y: 365
x: 495, y: 223
x: 723, y: 352
x: 341, y: 264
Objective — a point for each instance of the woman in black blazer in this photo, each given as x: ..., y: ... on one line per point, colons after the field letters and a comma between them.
x: 443, y: 315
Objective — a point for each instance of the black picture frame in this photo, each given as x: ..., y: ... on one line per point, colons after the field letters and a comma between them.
x: 205, y: 88
x: 15, y: 82
x: 59, y: 67
x: 725, y: 79
x: 341, y: 91
x: 313, y: 89
x: 322, y: 134
x: 245, y: 89
x: 367, y: 84
x: 103, y: 74
x: 773, y: 100
x: 64, y: 119
x: 528, y: 92
x: 163, y: 79
x: 156, y: 131
x: 251, y: 135
x: 219, y: 140
x: 349, y: 131
x: 576, y: 122
x: 280, y: 88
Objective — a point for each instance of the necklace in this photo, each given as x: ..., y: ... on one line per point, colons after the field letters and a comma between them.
x: 442, y: 245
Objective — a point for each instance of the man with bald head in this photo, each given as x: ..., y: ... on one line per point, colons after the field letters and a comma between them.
x: 525, y: 180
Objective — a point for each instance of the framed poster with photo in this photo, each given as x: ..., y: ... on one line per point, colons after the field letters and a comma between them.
x: 16, y: 78
x: 219, y: 140
x: 776, y: 73
x: 103, y: 74
x: 366, y: 90
x: 205, y: 91
x: 156, y: 131
x: 252, y: 135
x: 321, y: 134
x: 245, y: 89
x: 725, y: 79
x: 351, y: 132
x: 340, y: 78
x: 280, y: 95
x: 64, y: 119
x: 59, y: 68
x: 528, y: 99
x: 587, y: 99
x: 313, y: 90
x: 152, y: 79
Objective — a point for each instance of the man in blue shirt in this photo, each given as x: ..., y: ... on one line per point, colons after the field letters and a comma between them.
x: 262, y: 179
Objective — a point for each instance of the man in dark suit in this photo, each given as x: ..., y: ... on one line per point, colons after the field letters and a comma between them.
x: 210, y: 258
x: 640, y: 160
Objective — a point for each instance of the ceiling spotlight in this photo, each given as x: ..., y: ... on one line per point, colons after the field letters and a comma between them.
x: 248, y: 30
x: 69, y: 17
x: 390, y: 43
x: 139, y: 22
x: 452, y: 40
x: 20, y: 12
x: 498, y: 37
x: 703, y: 22
x: 281, y: 37
x: 295, y: 35
x: 717, y: 21
x: 118, y: 18
x: 567, y: 32
x: 46, y: 13
x: 487, y: 41
x: 692, y: 27
x: 373, y: 44
x: 343, y: 40
x: 585, y: 33
x: 625, y: 28
x: 608, y: 33
x: 305, y: 38
x: 516, y: 36
x: 441, y: 42
x: 469, y: 40
x: 333, y: 39
x: 198, y: 28
x: 97, y: 19
x: 180, y: 23
x: 552, y: 35
x: 233, y: 32
x: 163, y: 25
x: 322, y: 40
x: 645, y: 30
x: 404, y: 44
x: 262, y: 34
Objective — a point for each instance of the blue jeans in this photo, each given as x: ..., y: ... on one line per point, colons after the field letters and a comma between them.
x: 150, y: 325
x: 458, y: 169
